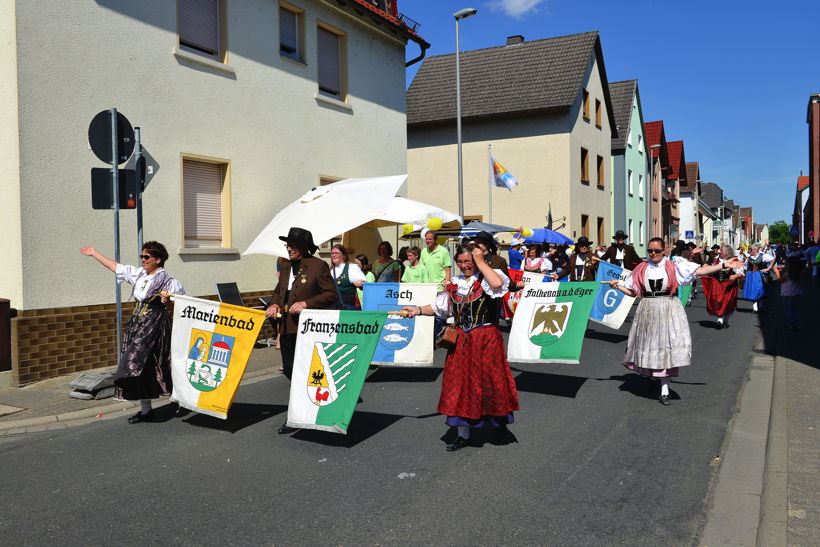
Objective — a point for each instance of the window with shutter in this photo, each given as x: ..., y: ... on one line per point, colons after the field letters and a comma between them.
x: 289, y: 34
x: 202, y: 185
x: 329, y: 61
x: 198, y: 27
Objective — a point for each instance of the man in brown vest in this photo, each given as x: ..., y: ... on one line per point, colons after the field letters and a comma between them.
x: 304, y: 283
x: 582, y: 266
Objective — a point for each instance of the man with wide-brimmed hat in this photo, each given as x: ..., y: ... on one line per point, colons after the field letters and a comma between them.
x: 304, y: 283
x: 582, y: 264
x: 621, y: 254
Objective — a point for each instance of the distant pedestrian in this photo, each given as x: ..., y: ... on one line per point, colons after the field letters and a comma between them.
x: 385, y: 267
x: 790, y: 290
x: 514, y: 253
x: 660, y: 341
x: 436, y: 259
x: 144, y: 369
x: 347, y: 277
x: 364, y: 264
x: 415, y: 272
x: 756, y: 268
x: 620, y: 253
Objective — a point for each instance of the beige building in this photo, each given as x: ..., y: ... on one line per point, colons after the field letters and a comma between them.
x: 544, y: 106
x: 243, y: 106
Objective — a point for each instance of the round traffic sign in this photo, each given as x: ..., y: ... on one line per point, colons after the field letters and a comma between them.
x: 99, y: 137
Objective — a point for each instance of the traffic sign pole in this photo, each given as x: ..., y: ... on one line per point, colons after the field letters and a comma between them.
x: 115, y: 177
x: 139, y: 176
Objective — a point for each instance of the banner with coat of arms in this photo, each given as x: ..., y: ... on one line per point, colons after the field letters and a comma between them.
x: 611, y: 305
x: 404, y: 341
x: 210, y: 346
x: 550, y: 322
x: 333, y: 353
x: 510, y: 299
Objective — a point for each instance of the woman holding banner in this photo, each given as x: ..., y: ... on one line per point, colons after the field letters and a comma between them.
x: 659, y: 340
x: 477, y: 387
x: 144, y: 370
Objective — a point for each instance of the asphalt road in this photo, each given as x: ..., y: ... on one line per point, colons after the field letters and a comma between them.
x: 596, y: 461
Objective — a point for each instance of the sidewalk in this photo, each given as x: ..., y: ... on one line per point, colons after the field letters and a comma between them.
x: 767, y: 491
x: 46, y: 405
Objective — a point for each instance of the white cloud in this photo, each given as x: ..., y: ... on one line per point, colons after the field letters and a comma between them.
x: 515, y: 8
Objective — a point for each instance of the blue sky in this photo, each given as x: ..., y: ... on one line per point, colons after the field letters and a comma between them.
x: 732, y: 79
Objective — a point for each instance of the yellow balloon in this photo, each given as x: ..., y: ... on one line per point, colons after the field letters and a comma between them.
x: 406, y: 229
x: 434, y: 223
x: 441, y: 240
x: 527, y: 232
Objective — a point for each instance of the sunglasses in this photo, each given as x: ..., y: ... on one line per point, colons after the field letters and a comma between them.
x: 145, y: 257
x: 654, y: 251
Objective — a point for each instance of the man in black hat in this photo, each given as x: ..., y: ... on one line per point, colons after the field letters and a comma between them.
x: 621, y: 254
x: 304, y: 283
x: 582, y: 264
x: 486, y: 242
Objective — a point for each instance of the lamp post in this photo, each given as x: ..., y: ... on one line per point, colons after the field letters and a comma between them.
x: 459, y: 15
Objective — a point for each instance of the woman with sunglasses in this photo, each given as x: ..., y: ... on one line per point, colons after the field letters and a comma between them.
x: 659, y: 340
x: 144, y: 370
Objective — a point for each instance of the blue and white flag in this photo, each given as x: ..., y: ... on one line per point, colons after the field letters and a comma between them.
x: 405, y: 342
x: 611, y: 306
x: 500, y: 176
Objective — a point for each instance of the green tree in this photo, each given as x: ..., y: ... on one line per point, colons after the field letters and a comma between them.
x: 779, y: 233
x: 192, y: 370
x: 218, y: 376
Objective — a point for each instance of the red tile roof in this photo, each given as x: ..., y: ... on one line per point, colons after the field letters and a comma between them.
x: 802, y: 183
x: 677, y: 167
x: 654, y: 135
x: 392, y: 19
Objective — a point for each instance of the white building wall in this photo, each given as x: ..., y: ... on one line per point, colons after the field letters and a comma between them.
x: 687, y: 208
x: 78, y: 58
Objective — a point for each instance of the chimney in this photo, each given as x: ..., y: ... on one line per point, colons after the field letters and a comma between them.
x: 515, y: 40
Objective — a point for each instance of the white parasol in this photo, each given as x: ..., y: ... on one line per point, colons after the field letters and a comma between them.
x: 328, y: 211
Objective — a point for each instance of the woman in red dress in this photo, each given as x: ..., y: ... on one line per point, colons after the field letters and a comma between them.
x: 477, y: 387
x: 721, y: 288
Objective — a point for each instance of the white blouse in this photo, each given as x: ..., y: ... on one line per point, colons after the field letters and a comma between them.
x: 131, y: 275
x: 441, y: 305
x: 354, y: 273
x: 684, y: 273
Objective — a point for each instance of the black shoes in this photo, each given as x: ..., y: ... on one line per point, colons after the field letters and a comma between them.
x: 140, y: 417
x: 458, y: 444
x: 285, y: 429
x: 664, y: 400
x: 500, y: 434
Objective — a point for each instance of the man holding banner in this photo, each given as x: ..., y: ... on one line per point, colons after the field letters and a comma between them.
x: 660, y: 341
x: 304, y: 283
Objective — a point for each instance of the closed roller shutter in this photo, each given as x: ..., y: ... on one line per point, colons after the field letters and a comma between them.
x: 202, y: 189
x: 288, y: 33
x: 329, y: 65
x: 198, y: 26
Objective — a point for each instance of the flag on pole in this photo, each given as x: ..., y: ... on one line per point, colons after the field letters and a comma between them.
x: 333, y: 352
x: 210, y: 346
x: 500, y: 176
x: 550, y: 322
x: 611, y: 305
x: 404, y: 341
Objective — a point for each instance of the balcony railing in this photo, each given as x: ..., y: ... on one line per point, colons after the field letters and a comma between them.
x: 411, y: 24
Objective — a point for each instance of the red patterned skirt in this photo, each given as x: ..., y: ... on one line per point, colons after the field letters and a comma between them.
x: 477, y: 381
x: 721, y: 296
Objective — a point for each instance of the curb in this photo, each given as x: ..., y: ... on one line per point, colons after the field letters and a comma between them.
x: 83, y: 414
x: 734, y: 516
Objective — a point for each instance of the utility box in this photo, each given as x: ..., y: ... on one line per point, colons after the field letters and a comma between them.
x: 93, y: 385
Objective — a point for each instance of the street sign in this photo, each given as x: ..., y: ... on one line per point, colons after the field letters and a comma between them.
x: 690, y: 234
x: 99, y: 137
x: 102, y: 188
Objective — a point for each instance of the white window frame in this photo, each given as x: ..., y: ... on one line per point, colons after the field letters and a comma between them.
x: 629, y: 137
x: 631, y: 231
x: 640, y: 143
x: 640, y: 231
x: 630, y: 182
x: 299, y: 18
x: 641, y: 191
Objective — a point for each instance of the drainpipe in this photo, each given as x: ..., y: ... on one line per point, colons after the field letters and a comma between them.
x: 423, y: 46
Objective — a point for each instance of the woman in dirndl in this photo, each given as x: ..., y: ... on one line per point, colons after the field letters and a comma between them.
x: 721, y: 287
x: 144, y: 370
x: 477, y: 388
x: 659, y: 340
x: 756, y: 268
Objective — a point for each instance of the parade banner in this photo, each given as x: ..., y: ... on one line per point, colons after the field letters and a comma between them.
x: 333, y: 352
x: 404, y: 341
x: 611, y: 306
x: 550, y: 322
x: 210, y: 346
x: 684, y: 292
x: 510, y: 299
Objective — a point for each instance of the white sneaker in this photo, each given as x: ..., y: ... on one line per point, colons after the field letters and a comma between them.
x: 754, y: 307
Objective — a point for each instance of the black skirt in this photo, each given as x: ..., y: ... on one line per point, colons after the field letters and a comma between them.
x: 144, y: 370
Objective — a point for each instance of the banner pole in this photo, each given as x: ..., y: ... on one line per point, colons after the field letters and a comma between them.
x: 491, y: 180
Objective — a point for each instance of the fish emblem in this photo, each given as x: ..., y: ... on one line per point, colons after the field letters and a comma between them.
x: 395, y: 326
x: 394, y: 338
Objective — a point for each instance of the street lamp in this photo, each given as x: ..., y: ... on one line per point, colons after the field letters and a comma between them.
x: 459, y: 15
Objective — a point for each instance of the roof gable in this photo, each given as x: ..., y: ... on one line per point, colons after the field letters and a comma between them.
x: 802, y: 183
x: 623, y: 97
x: 677, y: 160
x: 540, y: 75
x: 655, y: 135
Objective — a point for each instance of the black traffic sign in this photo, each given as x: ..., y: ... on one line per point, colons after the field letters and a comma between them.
x: 99, y: 137
x: 102, y: 188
